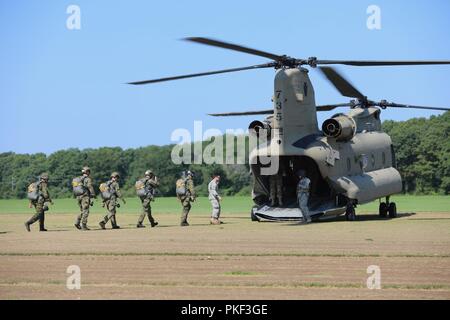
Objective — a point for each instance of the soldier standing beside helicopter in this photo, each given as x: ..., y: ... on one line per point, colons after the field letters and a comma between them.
x: 186, y: 194
x: 303, y: 187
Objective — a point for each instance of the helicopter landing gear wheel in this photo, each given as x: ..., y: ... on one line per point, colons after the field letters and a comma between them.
x: 392, y: 210
x: 350, y: 213
x: 252, y: 215
x: 383, y: 210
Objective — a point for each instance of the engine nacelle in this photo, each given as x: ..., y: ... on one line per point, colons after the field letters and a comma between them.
x: 256, y: 126
x: 340, y: 127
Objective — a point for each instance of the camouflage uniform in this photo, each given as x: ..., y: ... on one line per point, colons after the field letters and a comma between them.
x: 111, y: 204
x: 303, y: 187
x: 276, y: 188
x: 84, y: 202
x: 149, y: 184
x: 186, y: 200
x: 40, y: 206
x: 214, y: 198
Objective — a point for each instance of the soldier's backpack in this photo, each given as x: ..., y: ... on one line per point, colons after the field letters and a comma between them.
x: 78, y: 186
x: 141, y: 190
x: 181, y: 187
x: 33, y: 191
x: 105, y: 191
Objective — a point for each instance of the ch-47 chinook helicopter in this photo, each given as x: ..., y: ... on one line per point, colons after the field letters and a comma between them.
x: 350, y: 161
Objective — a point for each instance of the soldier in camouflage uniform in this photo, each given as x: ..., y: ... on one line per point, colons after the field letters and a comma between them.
x: 215, y: 199
x: 84, y: 201
x: 40, y: 204
x: 112, y: 203
x: 150, y: 183
x: 303, y: 187
x: 187, y: 198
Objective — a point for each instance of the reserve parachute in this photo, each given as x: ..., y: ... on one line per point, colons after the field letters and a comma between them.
x: 78, y: 186
x: 180, y: 187
x: 105, y: 191
x: 33, y: 191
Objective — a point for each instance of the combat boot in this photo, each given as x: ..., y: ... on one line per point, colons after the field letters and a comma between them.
x: 154, y: 224
x: 27, y: 226
x: 115, y: 227
x: 140, y: 225
x: 214, y: 221
x: 184, y: 224
x: 42, y: 229
x: 85, y: 227
x: 102, y: 225
x: 77, y: 225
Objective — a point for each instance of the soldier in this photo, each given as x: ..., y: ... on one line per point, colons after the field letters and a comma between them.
x: 85, y: 198
x: 276, y: 189
x: 112, y: 202
x: 303, y: 187
x: 215, y: 199
x: 187, y: 197
x: 40, y: 204
x: 150, y: 182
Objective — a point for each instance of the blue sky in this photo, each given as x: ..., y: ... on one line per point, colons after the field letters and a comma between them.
x: 65, y: 88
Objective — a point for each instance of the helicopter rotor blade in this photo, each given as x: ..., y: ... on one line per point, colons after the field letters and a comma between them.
x: 235, y: 47
x: 328, y: 107
x: 384, y: 104
x: 370, y: 63
x: 243, y: 113
x: 258, y: 66
x: 341, y: 84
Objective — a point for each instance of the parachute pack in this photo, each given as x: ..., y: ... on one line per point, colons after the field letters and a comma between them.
x: 180, y: 187
x: 33, y: 191
x: 105, y: 191
x: 78, y: 186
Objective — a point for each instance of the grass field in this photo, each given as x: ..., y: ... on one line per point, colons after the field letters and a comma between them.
x: 230, y: 205
x: 237, y: 260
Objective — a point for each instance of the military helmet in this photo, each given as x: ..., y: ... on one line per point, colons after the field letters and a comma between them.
x: 148, y: 172
x: 115, y: 175
x: 44, y: 176
x: 190, y: 173
x: 85, y: 169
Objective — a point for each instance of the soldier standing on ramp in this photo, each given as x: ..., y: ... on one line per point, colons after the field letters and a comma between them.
x: 110, y: 200
x: 84, y: 191
x: 303, y: 187
x: 39, y: 196
x: 145, y: 190
x: 215, y: 199
x: 186, y: 194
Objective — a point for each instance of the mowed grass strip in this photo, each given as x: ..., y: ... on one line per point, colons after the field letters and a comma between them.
x: 230, y: 205
x: 200, y: 254
x: 346, y: 285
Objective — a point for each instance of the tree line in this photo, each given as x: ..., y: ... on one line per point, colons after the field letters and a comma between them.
x: 422, y: 153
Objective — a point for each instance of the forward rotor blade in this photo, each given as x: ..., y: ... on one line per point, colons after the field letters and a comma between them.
x: 235, y: 47
x: 329, y: 107
x: 399, y: 105
x: 244, y: 113
x: 369, y: 63
x: 258, y: 66
x: 341, y: 84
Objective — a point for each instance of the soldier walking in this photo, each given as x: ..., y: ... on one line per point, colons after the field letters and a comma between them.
x: 112, y: 202
x: 145, y: 188
x: 186, y: 195
x: 215, y: 199
x: 303, y: 187
x: 84, y: 192
x: 40, y: 202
